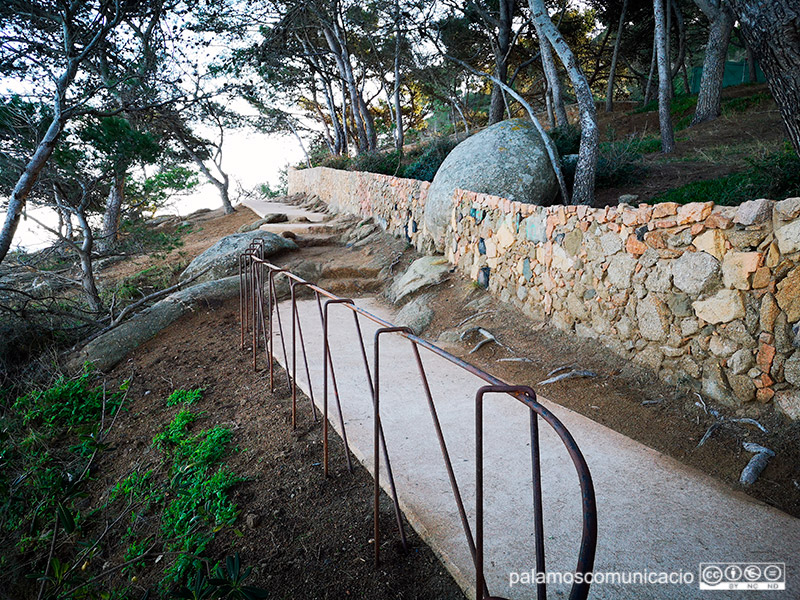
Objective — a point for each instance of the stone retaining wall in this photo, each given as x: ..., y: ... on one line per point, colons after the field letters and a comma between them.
x: 703, y: 295
x: 395, y: 203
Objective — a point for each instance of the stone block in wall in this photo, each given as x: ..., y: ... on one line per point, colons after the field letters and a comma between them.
x: 723, y: 307
x: 695, y: 272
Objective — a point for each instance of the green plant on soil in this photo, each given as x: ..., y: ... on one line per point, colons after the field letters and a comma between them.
x: 50, y: 443
x: 187, y: 397
x: 775, y: 175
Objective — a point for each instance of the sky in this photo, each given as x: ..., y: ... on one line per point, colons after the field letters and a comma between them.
x: 249, y: 158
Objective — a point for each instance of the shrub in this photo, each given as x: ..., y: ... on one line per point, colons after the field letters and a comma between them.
x: 383, y: 163
x: 775, y: 175
x: 431, y: 157
x: 567, y: 139
x: 341, y: 162
x: 619, y: 163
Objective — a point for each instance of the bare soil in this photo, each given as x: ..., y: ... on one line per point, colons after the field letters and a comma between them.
x: 306, y: 536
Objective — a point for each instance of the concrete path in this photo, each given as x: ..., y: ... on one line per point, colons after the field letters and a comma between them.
x: 263, y: 207
x: 654, y: 513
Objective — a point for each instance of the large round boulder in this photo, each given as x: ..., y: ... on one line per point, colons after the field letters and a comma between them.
x: 508, y: 159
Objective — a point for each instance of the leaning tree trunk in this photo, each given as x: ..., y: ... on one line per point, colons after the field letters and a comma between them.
x: 651, y: 77
x: 664, y: 79
x: 113, y: 213
x: 583, y: 188
x: 612, y: 70
x: 772, y: 30
x: 709, y: 100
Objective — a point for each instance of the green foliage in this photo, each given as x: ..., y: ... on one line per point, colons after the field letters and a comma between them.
x: 118, y: 144
x: 69, y: 402
x: 341, y: 162
x: 281, y: 189
x: 678, y: 106
x: 431, y: 157
x: 775, y: 175
x: 199, y: 504
x: 567, y: 138
x: 185, y: 396
x: 224, y: 583
x: 139, y: 238
x: 175, y: 432
x: 155, y: 190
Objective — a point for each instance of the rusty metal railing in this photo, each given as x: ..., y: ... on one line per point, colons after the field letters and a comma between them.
x: 258, y: 277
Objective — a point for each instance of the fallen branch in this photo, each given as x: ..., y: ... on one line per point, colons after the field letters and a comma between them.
x: 757, y: 464
x: 475, y: 316
x: 515, y: 359
x: 720, y: 420
x: 488, y: 339
x: 573, y: 374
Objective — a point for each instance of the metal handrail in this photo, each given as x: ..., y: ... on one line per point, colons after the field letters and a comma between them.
x: 251, y: 272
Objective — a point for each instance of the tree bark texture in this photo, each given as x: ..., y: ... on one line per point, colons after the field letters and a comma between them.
x: 399, y: 133
x: 583, y: 187
x: 111, y: 217
x: 664, y: 79
x: 709, y: 99
x: 772, y: 30
x: 614, y: 56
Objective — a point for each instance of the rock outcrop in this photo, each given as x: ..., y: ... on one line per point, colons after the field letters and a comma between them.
x: 223, y: 257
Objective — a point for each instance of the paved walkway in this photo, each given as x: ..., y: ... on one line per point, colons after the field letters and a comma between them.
x: 655, y: 514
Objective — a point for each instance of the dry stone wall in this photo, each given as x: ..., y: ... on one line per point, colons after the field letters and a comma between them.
x: 705, y: 296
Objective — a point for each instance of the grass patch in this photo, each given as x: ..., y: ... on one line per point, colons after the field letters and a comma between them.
x: 744, y: 103
x: 775, y: 175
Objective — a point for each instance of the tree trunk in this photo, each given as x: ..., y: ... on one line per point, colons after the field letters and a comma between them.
x: 26, y: 182
x: 87, y: 271
x: 650, y: 85
x: 583, y: 188
x: 463, y: 118
x: 501, y: 51
x: 326, y: 130
x: 342, y: 58
x: 113, y: 213
x: 551, y: 74
x: 299, y: 141
x: 612, y: 70
x: 772, y: 30
x: 752, y: 74
x: 664, y: 79
x: 369, y: 124
x: 709, y: 100
x: 548, y: 102
x: 679, y: 59
x: 339, y: 145
x: 399, y: 134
